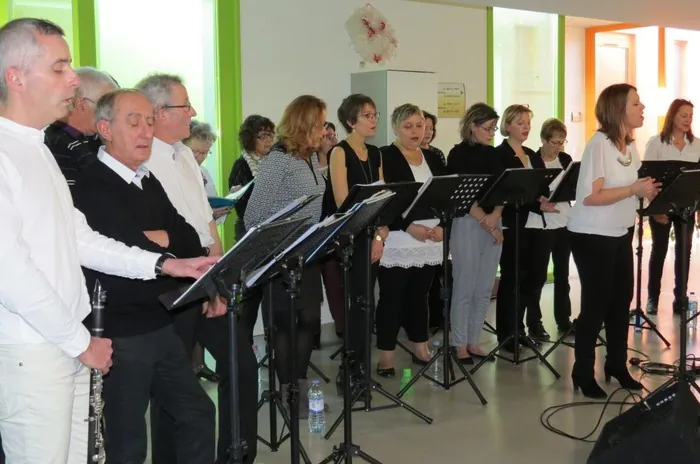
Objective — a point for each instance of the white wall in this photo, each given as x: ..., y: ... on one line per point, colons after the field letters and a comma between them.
x: 575, y: 90
x: 301, y: 46
x: 672, y: 13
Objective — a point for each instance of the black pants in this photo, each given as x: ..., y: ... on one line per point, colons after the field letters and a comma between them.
x: 536, y: 257
x: 307, y: 315
x: 156, y: 365
x: 251, y: 300
x: 403, y: 301
x: 506, y: 312
x: 605, y: 267
x: 436, y: 306
x: 659, y: 247
x: 2, y: 453
x: 213, y: 334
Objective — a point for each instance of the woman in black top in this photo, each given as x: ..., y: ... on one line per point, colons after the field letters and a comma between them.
x: 475, y: 242
x: 513, y: 154
x: 255, y: 136
x: 412, y: 250
x: 354, y: 162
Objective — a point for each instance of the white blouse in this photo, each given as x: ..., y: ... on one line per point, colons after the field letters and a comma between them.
x: 401, y: 249
x: 657, y: 150
x: 600, y: 160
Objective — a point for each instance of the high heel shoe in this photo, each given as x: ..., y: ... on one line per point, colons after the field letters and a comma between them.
x: 589, y: 387
x: 623, y: 377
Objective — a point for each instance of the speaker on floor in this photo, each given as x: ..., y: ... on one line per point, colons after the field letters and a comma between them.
x: 663, y: 427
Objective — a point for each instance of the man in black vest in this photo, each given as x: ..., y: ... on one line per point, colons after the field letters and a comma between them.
x: 122, y: 199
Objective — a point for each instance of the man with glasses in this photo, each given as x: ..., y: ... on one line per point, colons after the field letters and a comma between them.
x: 73, y: 140
x: 174, y: 164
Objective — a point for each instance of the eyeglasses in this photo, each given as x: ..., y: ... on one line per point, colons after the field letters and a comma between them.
x: 201, y: 153
x: 490, y: 129
x: 558, y: 143
x: 331, y: 137
x: 265, y: 136
x: 187, y: 106
x: 371, y: 116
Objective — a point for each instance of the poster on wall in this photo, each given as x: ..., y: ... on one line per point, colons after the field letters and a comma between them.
x: 451, y: 100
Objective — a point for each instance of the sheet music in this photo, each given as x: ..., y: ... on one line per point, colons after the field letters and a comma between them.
x: 328, y: 222
x: 235, y: 196
x: 291, y: 206
x: 557, y: 180
x: 422, y: 189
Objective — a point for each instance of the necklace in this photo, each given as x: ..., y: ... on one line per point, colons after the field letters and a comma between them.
x: 626, y: 159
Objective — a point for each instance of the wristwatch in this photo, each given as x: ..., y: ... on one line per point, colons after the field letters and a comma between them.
x: 379, y: 238
x: 161, y: 261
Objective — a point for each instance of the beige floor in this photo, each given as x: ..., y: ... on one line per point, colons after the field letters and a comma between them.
x: 507, y: 429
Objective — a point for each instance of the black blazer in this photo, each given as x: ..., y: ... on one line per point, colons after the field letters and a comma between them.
x: 509, y: 160
x: 397, y: 169
x: 538, y: 163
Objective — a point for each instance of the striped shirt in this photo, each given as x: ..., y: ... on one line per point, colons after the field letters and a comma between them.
x: 71, y: 149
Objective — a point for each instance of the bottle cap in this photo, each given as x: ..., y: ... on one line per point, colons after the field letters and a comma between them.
x: 407, y: 372
x: 315, y: 382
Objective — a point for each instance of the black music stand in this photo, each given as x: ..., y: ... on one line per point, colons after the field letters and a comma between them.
x: 664, y: 172
x: 224, y: 278
x: 363, y: 213
x: 680, y: 201
x: 518, y: 187
x: 289, y: 264
x: 446, y: 198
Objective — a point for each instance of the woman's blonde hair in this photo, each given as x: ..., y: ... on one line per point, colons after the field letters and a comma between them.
x: 510, y: 114
x: 300, y: 118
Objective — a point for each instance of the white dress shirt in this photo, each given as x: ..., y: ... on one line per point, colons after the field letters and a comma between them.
x: 43, y: 242
x: 657, y: 150
x: 178, y: 172
x: 123, y: 171
x: 600, y: 161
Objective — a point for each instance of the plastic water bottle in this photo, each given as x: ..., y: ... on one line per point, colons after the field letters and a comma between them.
x: 317, y: 414
x: 436, y: 369
x: 692, y: 310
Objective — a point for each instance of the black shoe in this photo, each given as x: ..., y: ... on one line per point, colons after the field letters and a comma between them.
x: 564, y: 328
x: 203, y: 372
x: 317, y: 341
x: 589, y: 387
x: 386, y: 372
x: 623, y: 377
x: 653, y: 307
x: 677, y: 307
x: 537, y: 332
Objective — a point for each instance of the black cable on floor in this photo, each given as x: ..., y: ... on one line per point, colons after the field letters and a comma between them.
x: 548, y: 413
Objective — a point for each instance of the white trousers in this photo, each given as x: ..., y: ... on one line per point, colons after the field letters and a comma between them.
x: 44, y: 407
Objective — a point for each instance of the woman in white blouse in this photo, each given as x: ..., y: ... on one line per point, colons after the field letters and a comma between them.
x: 675, y: 142
x: 601, y: 226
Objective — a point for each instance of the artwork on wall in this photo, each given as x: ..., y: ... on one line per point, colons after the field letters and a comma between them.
x: 451, y: 100
x: 371, y: 35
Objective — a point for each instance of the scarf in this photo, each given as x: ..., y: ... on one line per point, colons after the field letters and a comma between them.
x: 253, y: 161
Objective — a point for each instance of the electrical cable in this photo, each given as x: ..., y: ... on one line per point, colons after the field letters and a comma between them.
x: 547, y: 414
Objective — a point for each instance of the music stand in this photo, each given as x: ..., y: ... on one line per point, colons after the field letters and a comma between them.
x: 664, y: 172
x: 289, y: 264
x: 518, y: 187
x: 224, y: 278
x: 680, y: 201
x: 446, y: 198
x: 363, y: 213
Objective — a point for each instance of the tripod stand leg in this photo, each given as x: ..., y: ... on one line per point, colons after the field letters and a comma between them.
x: 336, y: 353
x: 378, y: 388
x: 318, y: 371
x: 467, y: 376
x: 340, y: 418
x: 538, y: 355
x: 420, y: 373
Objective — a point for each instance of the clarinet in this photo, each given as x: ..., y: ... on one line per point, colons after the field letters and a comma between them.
x: 96, y: 448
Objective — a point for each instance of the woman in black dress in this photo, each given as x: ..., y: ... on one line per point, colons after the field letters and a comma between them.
x: 354, y: 162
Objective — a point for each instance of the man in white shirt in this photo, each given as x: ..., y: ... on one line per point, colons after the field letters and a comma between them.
x: 173, y: 163
x: 44, y: 348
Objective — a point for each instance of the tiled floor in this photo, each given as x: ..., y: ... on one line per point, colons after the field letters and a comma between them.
x: 507, y: 429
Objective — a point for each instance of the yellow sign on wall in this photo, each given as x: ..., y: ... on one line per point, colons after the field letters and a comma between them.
x: 451, y: 100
